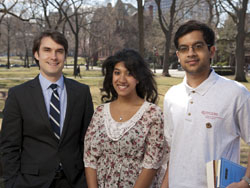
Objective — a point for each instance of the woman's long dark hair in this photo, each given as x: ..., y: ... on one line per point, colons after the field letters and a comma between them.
x: 146, y: 88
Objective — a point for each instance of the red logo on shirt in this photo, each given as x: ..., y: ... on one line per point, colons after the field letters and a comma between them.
x: 211, y: 115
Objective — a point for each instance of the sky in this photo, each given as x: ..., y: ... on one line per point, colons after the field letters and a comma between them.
x: 133, y: 2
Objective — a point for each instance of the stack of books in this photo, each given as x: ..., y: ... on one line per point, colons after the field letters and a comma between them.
x: 223, y: 172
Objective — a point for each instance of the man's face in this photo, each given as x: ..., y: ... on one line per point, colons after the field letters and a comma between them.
x: 193, y: 53
x: 51, y: 57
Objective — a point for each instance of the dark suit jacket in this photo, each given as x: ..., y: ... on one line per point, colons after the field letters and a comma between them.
x: 30, y: 151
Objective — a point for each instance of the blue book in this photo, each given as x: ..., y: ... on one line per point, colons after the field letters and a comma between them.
x: 229, y: 172
x: 223, y: 172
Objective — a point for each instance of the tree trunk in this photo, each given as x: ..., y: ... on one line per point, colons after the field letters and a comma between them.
x: 141, y: 27
x: 240, y: 49
x: 87, y: 63
x: 95, y: 58
x: 76, y: 54
x: 168, y: 35
x: 8, y: 48
x: 211, y: 14
x: 25, y: 61
x: 166, y: 60
x: 240, y: 57
x: 26, y: 58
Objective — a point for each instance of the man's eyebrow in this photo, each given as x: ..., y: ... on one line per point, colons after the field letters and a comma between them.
x: 49, y: 48
x: 197, y: 42
x: 45, y: 47
x: 60, y: 49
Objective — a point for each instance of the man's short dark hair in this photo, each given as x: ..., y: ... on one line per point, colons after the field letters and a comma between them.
x: 194, y: 25
x: 55, y: 36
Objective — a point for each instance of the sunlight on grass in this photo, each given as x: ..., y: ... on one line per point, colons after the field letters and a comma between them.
x: 94, y: 78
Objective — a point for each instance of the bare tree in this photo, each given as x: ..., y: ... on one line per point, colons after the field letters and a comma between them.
x: 141, y: 27
x: 103, y: 36
x: 16, y: 14
x: 24, y: 37
x: 178, y: 10
x: 50, y: 18
x: 21, y: 11
x: 167, y: 29
x: 100, y: 35
x: 154, y: 41
x: 4, y: 9
x: 214, y: 13
x: 8, y: 34
x: 75, y: 16
x: 112, y: 29
x: 225, y: 44
x: 239, y: 17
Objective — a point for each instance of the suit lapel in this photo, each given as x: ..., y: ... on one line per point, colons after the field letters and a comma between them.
x: 38, y: 98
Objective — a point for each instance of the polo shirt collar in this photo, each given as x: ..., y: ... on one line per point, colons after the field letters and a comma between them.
x: 204, y: 86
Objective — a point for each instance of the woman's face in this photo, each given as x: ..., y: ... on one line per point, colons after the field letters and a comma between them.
x: 123, y: 82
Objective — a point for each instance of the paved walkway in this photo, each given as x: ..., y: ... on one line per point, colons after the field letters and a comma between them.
x: 172, y: 72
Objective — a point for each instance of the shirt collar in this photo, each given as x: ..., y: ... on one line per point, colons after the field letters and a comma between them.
x: 204, y: 86
x: 45, y: 84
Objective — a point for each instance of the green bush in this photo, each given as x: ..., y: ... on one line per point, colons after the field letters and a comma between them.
x: 99, y: 63
x: 221, y: 64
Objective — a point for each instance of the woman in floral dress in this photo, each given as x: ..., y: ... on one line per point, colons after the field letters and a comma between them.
x: 124, y: 144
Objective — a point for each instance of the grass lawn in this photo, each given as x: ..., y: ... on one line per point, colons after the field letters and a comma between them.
x: 93, y: 77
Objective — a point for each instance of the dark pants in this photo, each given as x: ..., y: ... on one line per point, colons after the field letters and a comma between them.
x: 60, y: 181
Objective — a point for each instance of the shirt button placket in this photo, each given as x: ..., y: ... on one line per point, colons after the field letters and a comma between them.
x: 188, y: 112
x: 190, y: 107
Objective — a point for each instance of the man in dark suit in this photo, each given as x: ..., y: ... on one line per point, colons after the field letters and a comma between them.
x: 44, y: 125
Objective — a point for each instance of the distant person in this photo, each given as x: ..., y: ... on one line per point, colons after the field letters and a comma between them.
x: 78, y: 72
x: 44, y: 122
x: 124, y: 144
x: 205, y: 116
x: 87, y: 66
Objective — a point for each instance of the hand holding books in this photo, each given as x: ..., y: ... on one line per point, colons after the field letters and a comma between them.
x: 223, y: 172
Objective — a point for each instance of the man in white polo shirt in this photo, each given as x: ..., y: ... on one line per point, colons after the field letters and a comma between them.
x: 205, y: 116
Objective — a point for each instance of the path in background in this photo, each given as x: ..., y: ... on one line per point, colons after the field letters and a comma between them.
x: 172, y: 72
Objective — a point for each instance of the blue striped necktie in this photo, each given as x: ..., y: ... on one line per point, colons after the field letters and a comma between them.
x: 54, y: 114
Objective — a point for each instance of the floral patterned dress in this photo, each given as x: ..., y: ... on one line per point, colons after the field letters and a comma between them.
x: 119, y: 150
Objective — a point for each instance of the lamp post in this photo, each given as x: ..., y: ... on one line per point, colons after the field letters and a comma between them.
x: 155, y: 57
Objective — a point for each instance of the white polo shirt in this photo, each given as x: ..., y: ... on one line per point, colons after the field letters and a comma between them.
x: 203, y: 124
